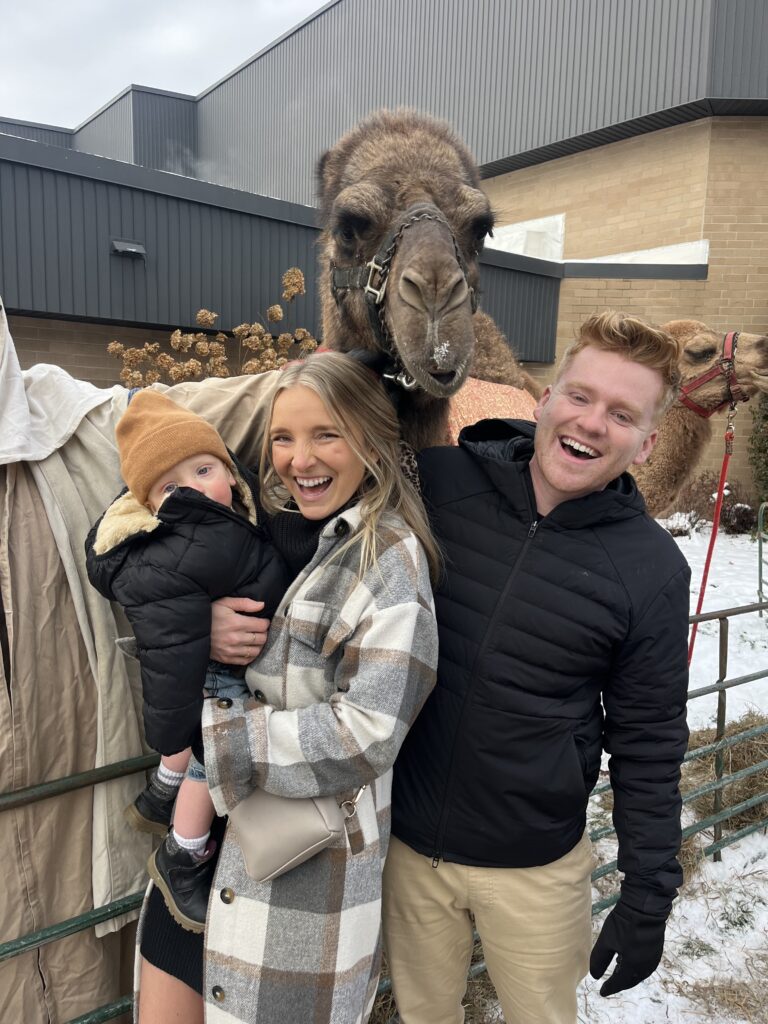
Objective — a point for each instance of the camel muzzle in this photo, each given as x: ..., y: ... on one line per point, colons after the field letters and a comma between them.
x: 372, y: 277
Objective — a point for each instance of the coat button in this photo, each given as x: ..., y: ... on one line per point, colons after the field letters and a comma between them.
x: 259, y: 696
x: 224, y: 702
x: 218, y: 993
x: 227, y: 895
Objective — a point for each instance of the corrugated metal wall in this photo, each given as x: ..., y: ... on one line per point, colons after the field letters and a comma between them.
x: 164, y: 131
x: 524, y: 305
x: 57, y: 226
x: 739, y: 67
x: 56, y: 231
x: 110, y: 132
x: 510, y: 76
x: 51, y: 136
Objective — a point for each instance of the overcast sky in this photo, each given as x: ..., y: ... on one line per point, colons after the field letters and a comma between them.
x: 60, y: 60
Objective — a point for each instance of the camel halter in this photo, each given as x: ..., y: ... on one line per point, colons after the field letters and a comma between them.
x: 372, y: 278
x: 725, y: 366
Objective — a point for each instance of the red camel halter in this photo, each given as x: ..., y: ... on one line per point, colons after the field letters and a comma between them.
x: 725, y: 365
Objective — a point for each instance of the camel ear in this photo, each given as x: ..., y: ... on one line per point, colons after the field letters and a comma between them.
x: 320, y: 170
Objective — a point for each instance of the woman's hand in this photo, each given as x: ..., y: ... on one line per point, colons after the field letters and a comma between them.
x: 237, y: 638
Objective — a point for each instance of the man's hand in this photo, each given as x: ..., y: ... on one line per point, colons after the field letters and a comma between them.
x: 237, y: 638
x: 637, y: 938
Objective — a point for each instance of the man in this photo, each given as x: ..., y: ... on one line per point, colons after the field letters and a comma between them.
x: 563, y: 622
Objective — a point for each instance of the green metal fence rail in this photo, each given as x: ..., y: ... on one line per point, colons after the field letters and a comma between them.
x: 714, y: 821
x: 762, y: 563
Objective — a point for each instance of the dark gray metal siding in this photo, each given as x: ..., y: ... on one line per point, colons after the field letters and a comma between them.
x: 37, y: 132
x: 524, y: 304
x: 164, y: 131
x: 55, y: 237
x: 512, y: 76
x: 109, y: 132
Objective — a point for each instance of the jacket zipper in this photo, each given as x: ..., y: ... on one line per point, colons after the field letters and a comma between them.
x: 443, y: 821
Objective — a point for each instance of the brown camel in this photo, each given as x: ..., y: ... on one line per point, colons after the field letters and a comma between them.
x: 402, y: 190
x: 683, y: 433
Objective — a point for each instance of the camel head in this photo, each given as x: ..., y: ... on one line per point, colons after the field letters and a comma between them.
x: 701, y: 347
x: 684, y: 433
x: 401, y: 188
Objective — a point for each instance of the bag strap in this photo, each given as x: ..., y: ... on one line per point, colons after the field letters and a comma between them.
x: 349, y: 807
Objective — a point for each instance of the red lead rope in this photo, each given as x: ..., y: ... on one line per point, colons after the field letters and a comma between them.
x: 729, y: 434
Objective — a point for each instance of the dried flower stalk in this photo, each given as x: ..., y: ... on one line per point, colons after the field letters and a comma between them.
x: 257, y: 349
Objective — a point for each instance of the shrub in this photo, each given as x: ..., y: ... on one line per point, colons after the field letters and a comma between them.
x: 697, y: 501
x: 758, y: 446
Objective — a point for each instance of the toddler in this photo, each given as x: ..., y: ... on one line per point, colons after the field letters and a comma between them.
x: 184, y: 533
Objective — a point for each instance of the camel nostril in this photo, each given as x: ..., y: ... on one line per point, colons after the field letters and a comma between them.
x: 414, y: 290
x: 457, y: 293
x: 436, y: 294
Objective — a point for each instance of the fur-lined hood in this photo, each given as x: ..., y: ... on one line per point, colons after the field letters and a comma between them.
x: 126, y: 517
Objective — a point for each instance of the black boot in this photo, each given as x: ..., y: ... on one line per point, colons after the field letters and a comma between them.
x: 184, y: 881
x: 152, y: 809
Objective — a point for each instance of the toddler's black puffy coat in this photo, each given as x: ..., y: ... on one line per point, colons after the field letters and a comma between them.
x: 165, y: 570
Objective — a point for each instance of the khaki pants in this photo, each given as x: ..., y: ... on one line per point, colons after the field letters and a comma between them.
x: 535, y: 926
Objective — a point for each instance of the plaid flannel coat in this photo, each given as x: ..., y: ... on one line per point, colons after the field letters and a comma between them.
x: 348, y: 664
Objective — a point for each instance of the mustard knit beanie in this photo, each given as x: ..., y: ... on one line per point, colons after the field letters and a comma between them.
x: 154, y: 434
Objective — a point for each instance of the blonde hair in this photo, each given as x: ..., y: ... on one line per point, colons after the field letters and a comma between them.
x: 359, y: 405
x: 634, y: 339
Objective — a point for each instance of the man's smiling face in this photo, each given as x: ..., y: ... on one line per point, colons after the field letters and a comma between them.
x: 595, y: 421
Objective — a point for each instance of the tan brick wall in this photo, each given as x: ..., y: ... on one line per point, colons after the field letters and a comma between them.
x: 79, y: 348
x: 703, y: 180
x: 636, y: 194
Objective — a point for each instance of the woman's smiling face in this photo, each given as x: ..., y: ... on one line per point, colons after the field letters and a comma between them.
x: 311, y: 454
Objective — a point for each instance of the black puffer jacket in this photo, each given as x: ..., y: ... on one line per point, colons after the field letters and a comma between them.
x: 165, y: 570
x: 538, y: 622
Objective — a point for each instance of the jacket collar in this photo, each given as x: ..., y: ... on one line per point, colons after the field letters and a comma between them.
x: 504, y: 449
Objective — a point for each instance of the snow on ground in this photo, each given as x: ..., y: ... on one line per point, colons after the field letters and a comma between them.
x: 718, y: 931
x: 733, y: 580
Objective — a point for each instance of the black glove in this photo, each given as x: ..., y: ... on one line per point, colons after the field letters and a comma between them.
x: 637, y: 938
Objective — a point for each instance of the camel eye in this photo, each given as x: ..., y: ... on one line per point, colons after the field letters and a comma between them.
x: 703, y: 355
x: 480, y: 229
x: 351, y: 227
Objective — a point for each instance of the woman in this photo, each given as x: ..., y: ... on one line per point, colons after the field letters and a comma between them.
x: 349, y: 661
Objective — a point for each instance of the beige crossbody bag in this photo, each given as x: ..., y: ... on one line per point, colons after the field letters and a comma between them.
x: 277, y: 833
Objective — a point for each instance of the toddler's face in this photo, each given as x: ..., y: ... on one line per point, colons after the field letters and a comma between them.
x: 204, y: 473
